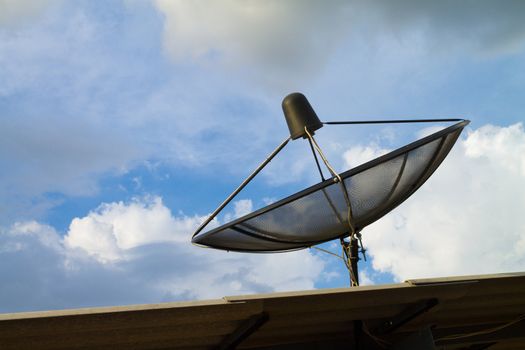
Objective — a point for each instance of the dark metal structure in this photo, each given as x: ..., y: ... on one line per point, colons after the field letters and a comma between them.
x: 299, y: 115
x: 319, y: 213
x: 338, y: 207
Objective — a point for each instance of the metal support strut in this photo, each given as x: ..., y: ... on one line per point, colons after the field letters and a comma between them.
x: 241, y: 186
x: 394, y: 121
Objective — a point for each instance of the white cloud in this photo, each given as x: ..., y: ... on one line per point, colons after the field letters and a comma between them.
x: 12, y: 12
x: 360, y: 154
x: 134, y: 252
x: 46, y: 235
x: 282, y: 37
x: 365, y: 279
x: 483, y: 26
x: 241, y: 207
x: 501, y: 146
x: 289, y: 39
x: 467, y: 219
x: 114, y: 228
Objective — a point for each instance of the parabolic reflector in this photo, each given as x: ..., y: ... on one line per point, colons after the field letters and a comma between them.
x: 319, y: 213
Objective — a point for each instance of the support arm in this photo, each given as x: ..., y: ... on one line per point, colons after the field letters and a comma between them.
x: 241, y: 186
x: 394, y: 121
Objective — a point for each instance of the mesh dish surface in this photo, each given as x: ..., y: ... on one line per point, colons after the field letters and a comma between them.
x: 319, y: 213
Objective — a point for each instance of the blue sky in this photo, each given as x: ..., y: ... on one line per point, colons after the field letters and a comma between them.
x: 124, y: 123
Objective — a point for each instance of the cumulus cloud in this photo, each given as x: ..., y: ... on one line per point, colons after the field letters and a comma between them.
x: 135, y: 252
x: 467, y: 219
x: 114, y: 228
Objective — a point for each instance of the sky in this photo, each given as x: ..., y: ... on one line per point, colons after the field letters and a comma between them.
x: 123, y: 124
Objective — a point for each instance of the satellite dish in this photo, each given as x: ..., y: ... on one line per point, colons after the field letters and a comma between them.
x: 338, y: 207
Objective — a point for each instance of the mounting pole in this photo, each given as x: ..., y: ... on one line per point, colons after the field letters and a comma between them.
x: 351, y: 253
x: 354, y: 258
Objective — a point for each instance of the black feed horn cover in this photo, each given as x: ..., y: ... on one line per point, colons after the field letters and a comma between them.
x: 299, y: 113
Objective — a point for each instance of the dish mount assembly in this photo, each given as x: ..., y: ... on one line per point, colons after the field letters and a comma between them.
x: 338, y: 207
